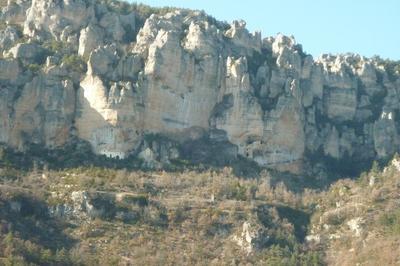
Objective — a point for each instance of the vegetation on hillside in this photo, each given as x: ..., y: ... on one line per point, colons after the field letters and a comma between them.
x: 178, y: 217
x: 193, y: 217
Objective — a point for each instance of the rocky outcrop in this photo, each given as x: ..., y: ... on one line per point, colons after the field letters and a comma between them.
x: 90, y: 38
x: 188, y: 77
x: 8, y: 37
x: 108, y: 118
x: 9, y: 71
x: 385, y: 133
x: 248, y: 237
x: 81, y: 207
x: 29, y: 53
x: 59, y: 19
x: 43, y: 113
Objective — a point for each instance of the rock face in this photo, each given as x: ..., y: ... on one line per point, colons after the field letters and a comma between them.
x: 186, y: 76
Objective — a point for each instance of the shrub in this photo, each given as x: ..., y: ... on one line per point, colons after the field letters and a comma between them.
x: 277, y: 255
x: 55, y: 46
x: 144, y: 11
x: 74, y: 62
x: 391, y: 221
x: 141, y: 200
x: 20, y: 252
x: 234, y: 190
x: 179, y: 215
x: 33, y: 68
x: 335, y: 219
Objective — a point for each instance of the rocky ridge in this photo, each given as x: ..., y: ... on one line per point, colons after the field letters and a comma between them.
x: 110, y: 74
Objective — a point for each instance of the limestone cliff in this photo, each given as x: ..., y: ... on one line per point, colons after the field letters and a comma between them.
x: 110, y: 73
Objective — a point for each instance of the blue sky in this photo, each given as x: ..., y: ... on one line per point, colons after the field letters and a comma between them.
x: 367, y: 27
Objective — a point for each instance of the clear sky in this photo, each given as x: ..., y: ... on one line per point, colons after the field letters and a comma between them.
x: 367, y: 27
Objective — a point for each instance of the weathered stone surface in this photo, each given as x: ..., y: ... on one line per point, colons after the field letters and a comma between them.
x: 190, y: 78
x: 8, y: 37
x: 284, y: 135
x: 102, y: 61
x: 42, y: 113
x: 157, y: 152
x: 243, y: 119
x: 385, y: 135
x: 246, y: 238
x: 14, y: 12
x: 181, y: 90
x: 90, y: 38
x: 112, y: 25
x: 9, y: 70
x: 340, y: 104
x: 243, y: 41
x: 128, y: 68
x: 331, y: 146
x: 29, y: 52
x: 54, y: 17
x: 108, y: 118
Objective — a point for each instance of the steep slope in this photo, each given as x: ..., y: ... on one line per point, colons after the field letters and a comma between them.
x: 116, y: 217
x: 357, y: 222
x: 110, y: 74
x: 90, y: 216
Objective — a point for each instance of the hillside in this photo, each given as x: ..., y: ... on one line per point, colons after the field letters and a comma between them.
x: 88, y: 216
x: 132, y: 135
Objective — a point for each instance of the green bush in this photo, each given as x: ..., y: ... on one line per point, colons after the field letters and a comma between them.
x: 55, y: 46
x: 33, y: 68
x: 335, y: 220
x: 20, y: 252
x: 74, y: 62
x: 179, y: 215
x: 277, y: 255
x: 234, y: 190
x: 144, y: 11
x: 391, y: 222
x: 141, y: 200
